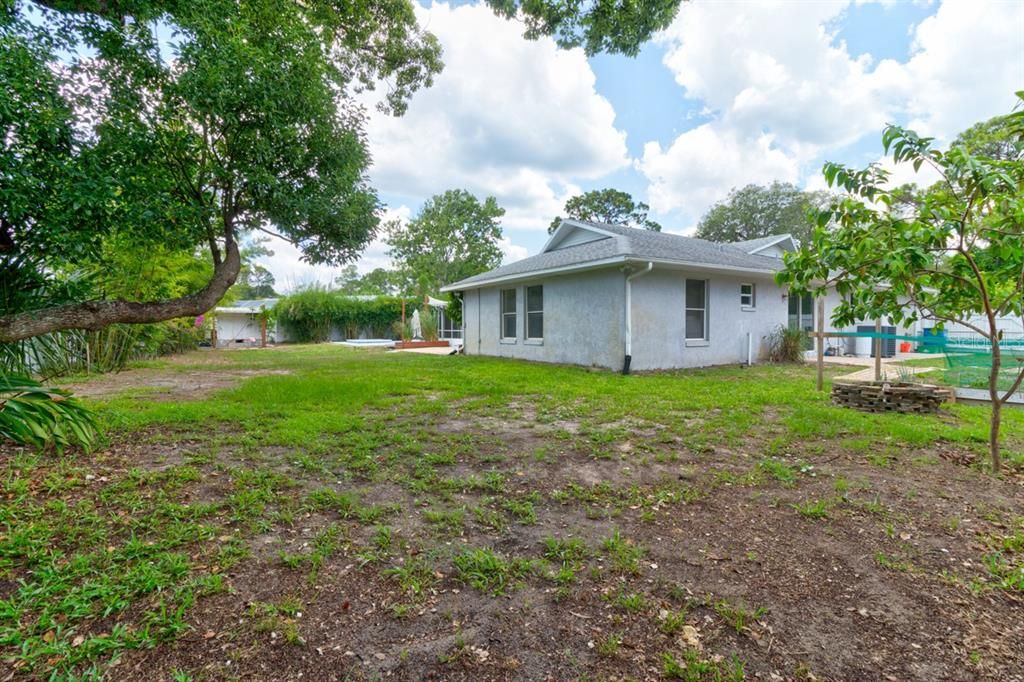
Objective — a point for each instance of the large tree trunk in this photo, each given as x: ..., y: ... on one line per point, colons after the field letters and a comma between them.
x: 997, y: 406
x: 99, y: 314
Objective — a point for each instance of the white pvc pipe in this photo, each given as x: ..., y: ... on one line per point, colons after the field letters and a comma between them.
x: 629, y: 306
x: 750, y: 349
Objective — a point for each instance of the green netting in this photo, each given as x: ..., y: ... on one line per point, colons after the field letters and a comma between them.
x: 969, y: 362
x: 968, y: 358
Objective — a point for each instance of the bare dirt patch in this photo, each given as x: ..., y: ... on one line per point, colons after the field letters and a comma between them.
x: 166, y: 385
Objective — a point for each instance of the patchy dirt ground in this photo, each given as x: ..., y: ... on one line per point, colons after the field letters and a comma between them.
x: 178, y: 381
x: 608, y: 548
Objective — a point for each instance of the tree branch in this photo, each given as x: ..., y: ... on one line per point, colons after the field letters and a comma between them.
x: 98, y: 314
x: 1014, y: 386
x: 291, y: 241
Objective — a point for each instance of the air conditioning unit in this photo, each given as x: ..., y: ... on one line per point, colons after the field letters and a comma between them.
x: 888, y: 345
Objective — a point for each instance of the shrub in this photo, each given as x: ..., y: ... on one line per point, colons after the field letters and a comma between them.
x: 786, y: 344
x: 309, y: 315
x: 31, y: 414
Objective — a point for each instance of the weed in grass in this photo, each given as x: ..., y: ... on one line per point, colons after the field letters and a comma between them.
x: 738, y: 616
x: 278, y: 619
x: 609, y: 646
x: 778, y: 469
x: 627, y: 601
x: 446, y: 521
x: 672, y: 622
x: 522, y: 510
x: 488, y: 572
x: 488, y: 517
x: 415, y: 577
x: 570, y: 553
x: 818, y: 509
x: 625, y: 555
x: 892, y: 563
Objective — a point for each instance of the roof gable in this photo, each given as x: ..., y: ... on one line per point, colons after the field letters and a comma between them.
x: 767, y: 245
x: 572, y: 233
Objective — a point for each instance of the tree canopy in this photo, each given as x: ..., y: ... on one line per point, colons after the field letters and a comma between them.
x: 190, y: 124
x: 454, y: 236
x: 757, y: 211
x: 955, y: 254
x: 377, y: 282
x: 607, y: 206
x: 599, y: 26
x: 186, y: 125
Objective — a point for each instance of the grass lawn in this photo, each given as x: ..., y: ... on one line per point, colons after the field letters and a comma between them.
x: 349, y: 514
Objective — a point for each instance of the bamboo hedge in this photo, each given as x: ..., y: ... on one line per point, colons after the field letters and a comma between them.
x: 309, y: 316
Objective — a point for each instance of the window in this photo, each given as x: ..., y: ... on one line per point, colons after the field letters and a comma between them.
x: 696, y: 309
x: 508, y: 313
x: 535, y: 312
x: 747, y: 296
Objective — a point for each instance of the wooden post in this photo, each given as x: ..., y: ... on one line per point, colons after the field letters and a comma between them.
x: 821, y: 343
x: 878, y: 350
x: 213, y: 335
x: 403, y: 310
x: 263, y: 332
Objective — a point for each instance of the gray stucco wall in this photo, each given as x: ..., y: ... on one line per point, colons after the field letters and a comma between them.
x: 584, y: 320
x: 583, y: 316
x: 659, y: 339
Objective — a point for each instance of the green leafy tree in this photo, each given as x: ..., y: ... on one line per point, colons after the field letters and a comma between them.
x: 600, y: 26
x: 254, y: 280
x: 245, y: 120
x: 453, y: 236
x: 195, y: 123
x: 758, y: 211
x: 956, y: 255
x: 607, y: 206
x: 377, y: 282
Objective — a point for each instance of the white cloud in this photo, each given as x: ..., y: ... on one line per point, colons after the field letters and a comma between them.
x: 690, y: 174
x: 517, y: 119
x: 968, y: 59
x: 511, y: 252
x: 784, y: 91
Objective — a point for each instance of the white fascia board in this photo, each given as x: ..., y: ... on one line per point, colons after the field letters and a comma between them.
x: 533, y: 274
x: 703, y: 267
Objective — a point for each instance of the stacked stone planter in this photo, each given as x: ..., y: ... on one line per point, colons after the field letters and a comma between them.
x: 886, y: 396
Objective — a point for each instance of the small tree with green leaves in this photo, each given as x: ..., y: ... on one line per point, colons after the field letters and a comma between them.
x: 955, y: 255
x: 611, y: 206
x: 454, y: 236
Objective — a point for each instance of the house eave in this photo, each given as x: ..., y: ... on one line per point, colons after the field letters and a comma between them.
x: 606, y: 262
x: 533, y: 274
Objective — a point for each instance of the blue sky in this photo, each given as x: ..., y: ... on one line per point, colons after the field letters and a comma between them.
x: 733, y: 92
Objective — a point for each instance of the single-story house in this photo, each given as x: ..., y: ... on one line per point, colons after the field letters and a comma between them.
x: 238, y: 324
x: 618, y: 297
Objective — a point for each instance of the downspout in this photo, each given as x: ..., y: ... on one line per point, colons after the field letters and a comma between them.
x: 629, y: 315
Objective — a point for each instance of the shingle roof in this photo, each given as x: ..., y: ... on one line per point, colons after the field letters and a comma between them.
x: 752, y: 245
x: 628, y: 243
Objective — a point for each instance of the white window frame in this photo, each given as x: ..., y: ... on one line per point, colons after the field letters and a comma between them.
x: 526, y: 306
x: 502, y: 314
x: 706, y: 339
x: 752, y: 304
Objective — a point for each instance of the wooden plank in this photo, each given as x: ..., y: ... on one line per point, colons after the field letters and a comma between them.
x: 820, y: 341
x: 878, y: 349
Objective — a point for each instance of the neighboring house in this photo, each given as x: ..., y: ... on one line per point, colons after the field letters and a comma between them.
x: 613, y: 296
x: 238, y: 324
